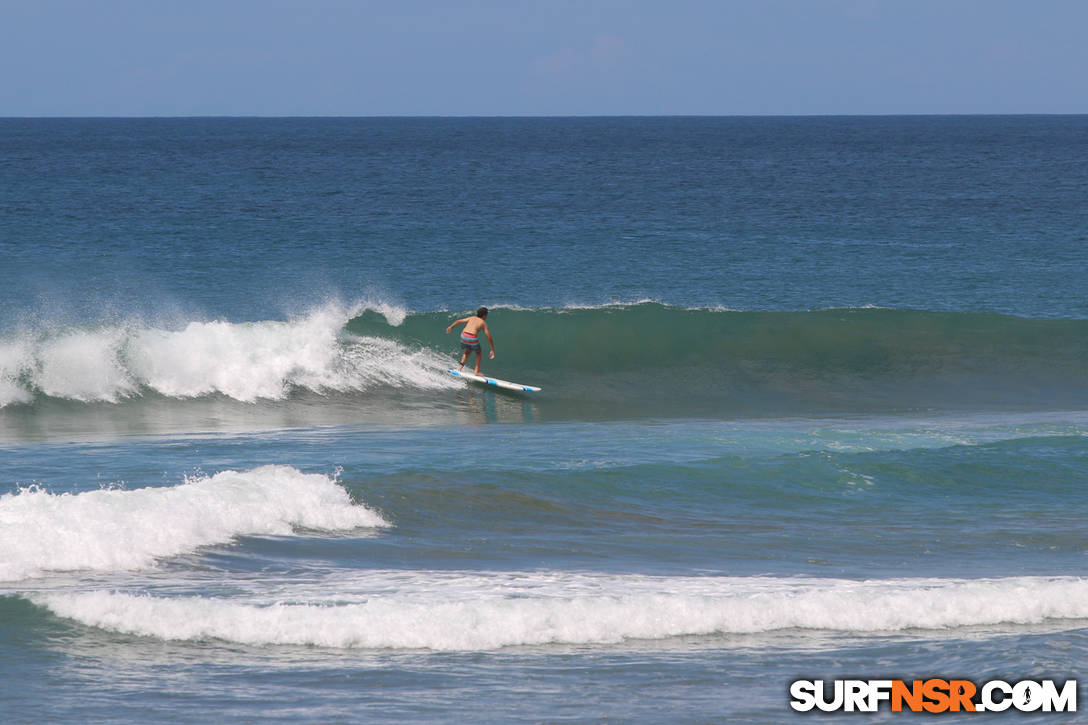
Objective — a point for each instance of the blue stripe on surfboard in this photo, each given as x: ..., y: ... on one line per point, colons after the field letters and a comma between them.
x: 504, y: 384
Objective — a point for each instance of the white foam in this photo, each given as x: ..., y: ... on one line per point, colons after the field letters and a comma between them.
x: 247, y: 361
x: 12, y: 355
x: 609, y: 305
x: 480, y: 611
x: 109, y: 530
x: 621, y: 305
x: 393, y: 314
x: 84, y: 365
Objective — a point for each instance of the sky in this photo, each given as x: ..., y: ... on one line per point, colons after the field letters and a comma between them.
x: 541, y: 58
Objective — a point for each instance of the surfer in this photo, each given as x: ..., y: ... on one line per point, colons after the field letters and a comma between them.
x: 470, y: 337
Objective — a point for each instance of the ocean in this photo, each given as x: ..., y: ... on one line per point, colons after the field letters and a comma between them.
x: 814, y: 406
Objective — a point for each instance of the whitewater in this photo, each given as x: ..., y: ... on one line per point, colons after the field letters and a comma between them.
x: 113, y: 530
x: 444, y: 611
x: 116, y: 529
x: 242, y: 361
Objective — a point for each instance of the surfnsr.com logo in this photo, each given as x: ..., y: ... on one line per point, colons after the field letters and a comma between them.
x: 933, y: 695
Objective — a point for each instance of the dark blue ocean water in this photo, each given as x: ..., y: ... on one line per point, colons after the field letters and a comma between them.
x: 815, y: 404
x: 238, y: 217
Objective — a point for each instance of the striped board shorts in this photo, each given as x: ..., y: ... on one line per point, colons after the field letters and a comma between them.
x: 470, y: 342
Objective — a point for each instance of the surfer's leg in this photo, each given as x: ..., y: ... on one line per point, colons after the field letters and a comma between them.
x: 478, y: 356
x: 464, y: 357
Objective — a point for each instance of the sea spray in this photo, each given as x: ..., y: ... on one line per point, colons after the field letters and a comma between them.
x: 245, y: 361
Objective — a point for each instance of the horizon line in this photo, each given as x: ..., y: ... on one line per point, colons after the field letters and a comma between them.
x: 540, y: 116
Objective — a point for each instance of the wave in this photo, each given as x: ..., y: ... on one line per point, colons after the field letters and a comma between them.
x: 699, y: 360
x: 480, y: 611
x: 635, y: 359
x: 116, y: 529
x: 245, y: 361
x: 866, y: 342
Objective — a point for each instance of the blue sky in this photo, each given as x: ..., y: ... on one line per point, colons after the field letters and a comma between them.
x: 559, y: 57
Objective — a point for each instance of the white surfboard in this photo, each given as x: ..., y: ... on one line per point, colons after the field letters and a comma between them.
x: 506, y: 384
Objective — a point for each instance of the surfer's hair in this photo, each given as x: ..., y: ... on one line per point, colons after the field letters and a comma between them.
x: 482, y: 312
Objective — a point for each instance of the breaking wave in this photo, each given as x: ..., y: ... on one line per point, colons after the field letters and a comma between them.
x: 467, y: 611
x: 245, y: 361
x: 117, y: 529
x: 634, y: 359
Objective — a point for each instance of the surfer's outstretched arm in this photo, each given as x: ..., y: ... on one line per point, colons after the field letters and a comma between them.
x: 462, y: 321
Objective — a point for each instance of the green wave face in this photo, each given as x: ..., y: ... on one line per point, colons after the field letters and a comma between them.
x: 861, y: 359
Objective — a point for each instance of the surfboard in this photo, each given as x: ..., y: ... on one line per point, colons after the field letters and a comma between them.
x: 505, y: 384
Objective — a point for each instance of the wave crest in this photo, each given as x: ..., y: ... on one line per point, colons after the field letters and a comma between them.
x: 246, y: 361
x: 461, y: 611
x: 110, y: 530
x: 634, y: 359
